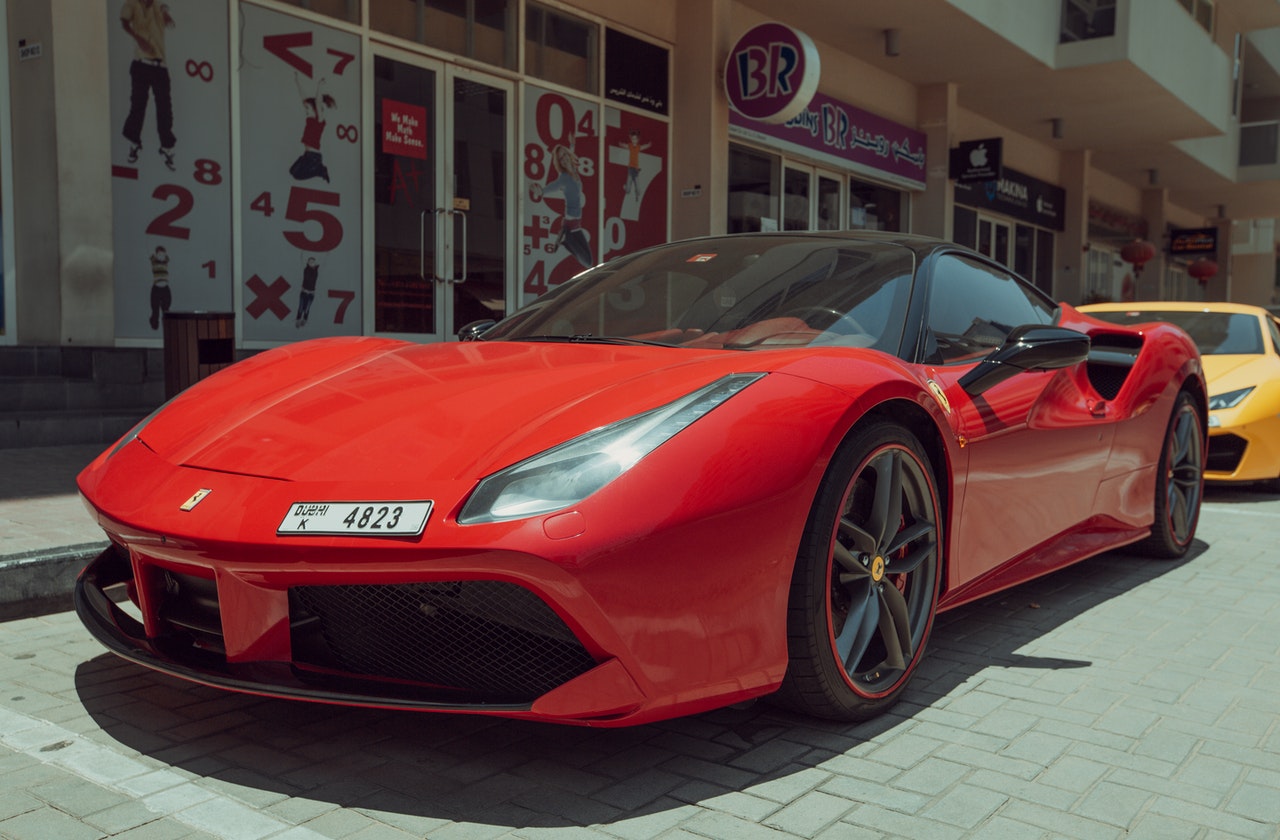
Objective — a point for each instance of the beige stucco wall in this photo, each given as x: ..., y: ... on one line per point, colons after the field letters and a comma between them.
x: 62, y: 174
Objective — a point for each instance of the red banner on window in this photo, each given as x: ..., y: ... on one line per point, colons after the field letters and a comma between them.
x: 404, y: 129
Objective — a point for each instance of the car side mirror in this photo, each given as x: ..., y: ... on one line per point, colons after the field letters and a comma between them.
x: 475, y: 329
x: 1028, y: 347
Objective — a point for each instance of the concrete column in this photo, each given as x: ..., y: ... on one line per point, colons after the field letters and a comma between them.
x: 82, y: 97
x: 1155, y: 202
x: 932, y: 212
x: 1073, y: 242
x: 700, y: 120
x: 62, y: 174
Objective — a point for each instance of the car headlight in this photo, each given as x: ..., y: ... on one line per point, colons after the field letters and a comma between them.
x: 1228, y: 400
x: 566, y: 474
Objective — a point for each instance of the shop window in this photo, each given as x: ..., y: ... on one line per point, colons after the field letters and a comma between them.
x: 1179, y: 285
x: 348, y: 10
x: 1202, y: 11
x: 965, y: 227
x: 1104, y: 276
x: 480, y: 29
x: 795, y: 192
x: 1043, y: 275
x: 561, y: 48
x: 753, y: 190
x: 1084, y: 20
x: 829, y: 200
x: 872, y: 207
x: 1258, y: 143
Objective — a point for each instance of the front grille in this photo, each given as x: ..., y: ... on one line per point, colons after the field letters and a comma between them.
x: 1225, y: 452
x: 487, y: 641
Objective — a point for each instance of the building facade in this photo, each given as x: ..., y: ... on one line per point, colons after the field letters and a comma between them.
x: 404, y: 167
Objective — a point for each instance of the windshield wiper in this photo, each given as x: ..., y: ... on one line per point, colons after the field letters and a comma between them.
x: 587, y: 338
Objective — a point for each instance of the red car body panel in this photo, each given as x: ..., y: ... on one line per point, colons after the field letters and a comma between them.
x: 674, y: 577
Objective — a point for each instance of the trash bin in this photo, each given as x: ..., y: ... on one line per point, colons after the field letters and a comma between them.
x: 196, y: 344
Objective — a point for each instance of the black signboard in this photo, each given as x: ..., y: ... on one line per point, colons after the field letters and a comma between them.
x: 977, y: 161
x: 1019, y: 195
x: 1193, y: 241
x: 635, y: 72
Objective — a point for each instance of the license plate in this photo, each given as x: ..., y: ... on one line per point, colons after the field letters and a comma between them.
x: 364, y: 519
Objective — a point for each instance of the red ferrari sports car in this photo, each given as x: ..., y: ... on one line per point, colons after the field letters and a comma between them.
x: 705, y: 472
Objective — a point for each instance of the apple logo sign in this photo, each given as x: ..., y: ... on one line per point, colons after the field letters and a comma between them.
x: 978, y: 157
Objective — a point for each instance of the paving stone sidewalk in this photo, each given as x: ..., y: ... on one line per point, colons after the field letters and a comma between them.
x: 1123, y: 698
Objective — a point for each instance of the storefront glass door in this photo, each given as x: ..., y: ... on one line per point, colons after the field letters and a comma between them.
x: 812, y: 199
x: 441, y: 185
x: 994, y: 240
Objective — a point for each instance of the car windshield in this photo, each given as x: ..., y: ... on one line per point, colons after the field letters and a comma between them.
x: 735, y: 293
x: 1215, y: 333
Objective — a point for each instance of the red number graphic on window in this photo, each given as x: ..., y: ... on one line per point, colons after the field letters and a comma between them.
x: 299, y: 210
x: 208, y: 172
x: 263, y: 204
x: 344, y: 58
x: 163, y: 225
x: 536, y: 281
x: 555, y: 129
x: 200, y: 69
x: 212, y: 267
x: 587, y: 125
x: 346, y: 296
x: 283, y: 46
x: 348, y: 132
x: 534, y: 169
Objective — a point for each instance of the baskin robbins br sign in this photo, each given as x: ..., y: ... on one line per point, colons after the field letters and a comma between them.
x: 771, y: 73
x: 771, y: 79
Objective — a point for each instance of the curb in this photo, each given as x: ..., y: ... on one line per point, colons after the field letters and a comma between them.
x: 40, y: 582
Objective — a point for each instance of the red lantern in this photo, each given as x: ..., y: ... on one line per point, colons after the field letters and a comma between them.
x: 1203, y: 269
x: 1138, y: 252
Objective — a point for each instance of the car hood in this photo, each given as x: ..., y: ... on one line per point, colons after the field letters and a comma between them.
x: 1231, y: 372
x: 363, y: 409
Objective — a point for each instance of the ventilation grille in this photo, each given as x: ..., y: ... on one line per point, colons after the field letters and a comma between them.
x: 488, y: 641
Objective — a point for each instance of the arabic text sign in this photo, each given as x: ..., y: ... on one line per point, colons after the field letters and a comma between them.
x: 838, y: 129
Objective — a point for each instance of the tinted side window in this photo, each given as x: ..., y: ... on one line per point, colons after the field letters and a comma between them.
x: 973, y: 308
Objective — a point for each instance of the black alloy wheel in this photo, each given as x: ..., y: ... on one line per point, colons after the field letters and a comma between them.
x: 866, y: 581
x: 1179, y: 483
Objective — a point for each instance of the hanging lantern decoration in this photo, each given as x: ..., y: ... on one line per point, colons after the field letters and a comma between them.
x: 1203, y: 269
x: 1138, y: 252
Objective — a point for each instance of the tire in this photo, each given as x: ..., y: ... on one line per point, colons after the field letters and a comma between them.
x: 1179, y: 483
x: 866, y: 580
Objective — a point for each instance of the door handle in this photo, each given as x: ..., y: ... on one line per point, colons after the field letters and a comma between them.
x: 459, y: 214
x: 448, y: 275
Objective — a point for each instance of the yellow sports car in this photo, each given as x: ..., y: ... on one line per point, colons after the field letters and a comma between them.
x: 1240, y: 346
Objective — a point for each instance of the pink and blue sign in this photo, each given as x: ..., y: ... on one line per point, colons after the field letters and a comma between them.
x: 771, y: 73
x: 847, y: 137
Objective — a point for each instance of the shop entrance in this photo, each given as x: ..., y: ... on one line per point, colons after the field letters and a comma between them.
x: 812, y: 199
x: 442, y: 184
x: 994, y: 239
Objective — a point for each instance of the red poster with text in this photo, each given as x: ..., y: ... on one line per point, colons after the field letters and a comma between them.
x: 404, y: 129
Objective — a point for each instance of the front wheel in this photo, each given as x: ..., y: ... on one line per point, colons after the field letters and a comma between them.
x: 865, y: 585
x: 1179, y: 483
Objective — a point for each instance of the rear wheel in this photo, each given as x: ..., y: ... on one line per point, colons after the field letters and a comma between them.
x: 866, y: 579
x: 1179, y: 483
